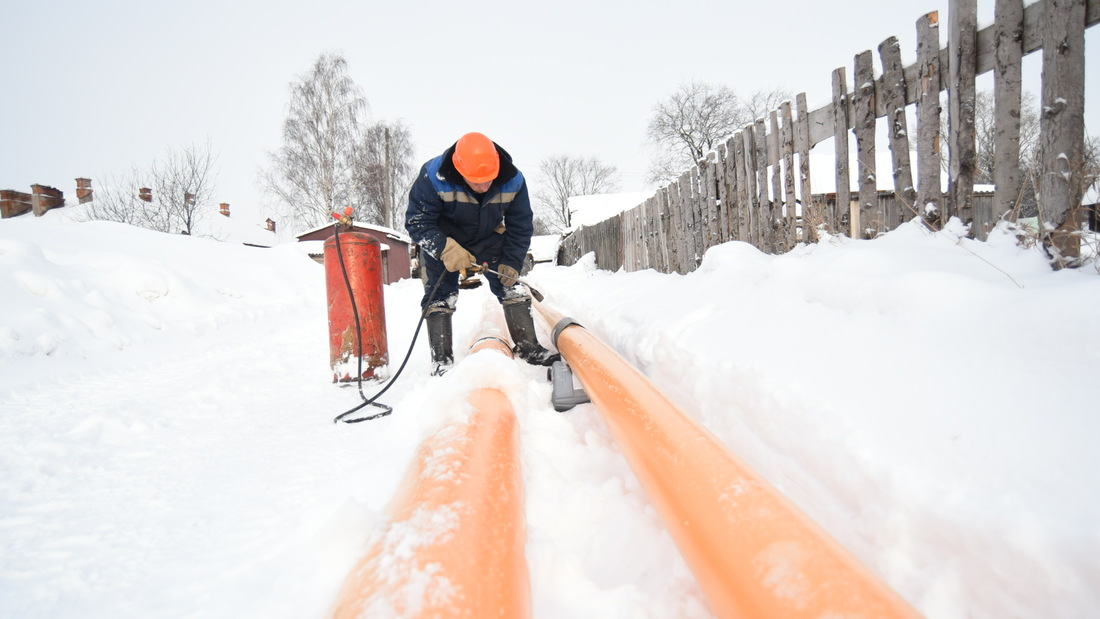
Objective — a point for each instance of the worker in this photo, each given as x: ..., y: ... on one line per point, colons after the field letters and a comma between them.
x: 469, y: 207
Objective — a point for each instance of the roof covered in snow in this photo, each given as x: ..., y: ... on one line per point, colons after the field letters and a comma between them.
x: 591, y: 210
x: 390, y: 232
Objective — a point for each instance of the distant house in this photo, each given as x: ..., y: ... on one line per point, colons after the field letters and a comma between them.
x: 395, y: 248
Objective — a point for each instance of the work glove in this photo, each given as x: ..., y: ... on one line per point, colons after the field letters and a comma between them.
x: 508, y: 276
x: 455, y: 257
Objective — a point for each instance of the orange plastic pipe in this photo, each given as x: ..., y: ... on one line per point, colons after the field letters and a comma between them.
x: 753, y: 552
x: 455, y: 543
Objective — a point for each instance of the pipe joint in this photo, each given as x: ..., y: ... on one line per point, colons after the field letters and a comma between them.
x: 562, y: 325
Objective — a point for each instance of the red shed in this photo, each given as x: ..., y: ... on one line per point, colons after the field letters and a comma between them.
x: 395, y: 248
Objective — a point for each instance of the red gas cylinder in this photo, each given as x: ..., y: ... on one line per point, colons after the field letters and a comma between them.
x: 363, y: 262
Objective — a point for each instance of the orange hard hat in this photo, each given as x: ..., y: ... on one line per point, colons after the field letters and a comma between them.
x: 476, y: 158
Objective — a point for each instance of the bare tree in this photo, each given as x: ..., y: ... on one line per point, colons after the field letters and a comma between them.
x: 182, y: 186
x: 565, y: 176
x: 386, y: 171
x: 695, y: 119
x: 762, y: 102
x: 985, y: 135
x: 985, y: 139
x: 314, y: 173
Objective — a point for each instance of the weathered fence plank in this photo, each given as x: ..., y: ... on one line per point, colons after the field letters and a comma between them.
x: 893, y: 99
x: 685, y: 240
x: 787, y: 144
x: 962, y: 46
x: 747, y: 175
x: 870, y: 222
x: 1062, y: 127
x: 843, y: 178
x: 811, y: 212
x: 1007, y: 96
x: 698, y: 217
x: 763, y: 204
x: 776, y: 176
x: 645, y: 241
x: 653, y: 217
x: 776, y: 203
x: 628, y: 247
x: 725, y: 191
x: 668, y: 224
x: 929, y: 192
x: 708, y: 195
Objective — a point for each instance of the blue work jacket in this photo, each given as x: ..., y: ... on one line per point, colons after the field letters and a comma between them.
x: 495, y: 226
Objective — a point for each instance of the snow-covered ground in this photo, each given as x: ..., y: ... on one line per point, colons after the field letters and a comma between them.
x: 167, y: 446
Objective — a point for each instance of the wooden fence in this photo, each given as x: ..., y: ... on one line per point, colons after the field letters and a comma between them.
x: 756, y: 186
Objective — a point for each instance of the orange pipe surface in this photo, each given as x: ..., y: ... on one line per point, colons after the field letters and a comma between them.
x: 455, y: 543
x: 753, y: 552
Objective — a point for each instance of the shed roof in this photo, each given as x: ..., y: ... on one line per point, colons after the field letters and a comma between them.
x: 390, y: 232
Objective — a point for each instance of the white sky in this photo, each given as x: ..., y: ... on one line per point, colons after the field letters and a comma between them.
x: 91, y: 89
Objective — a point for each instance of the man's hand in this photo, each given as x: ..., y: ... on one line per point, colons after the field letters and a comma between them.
x: 455, y: 257
x: 508, y: 276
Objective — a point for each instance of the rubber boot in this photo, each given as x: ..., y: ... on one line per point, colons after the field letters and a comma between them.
x: 517, y: 313
x: 440, y: 338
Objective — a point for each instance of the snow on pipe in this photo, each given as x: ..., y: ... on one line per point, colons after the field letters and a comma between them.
x: 753, y: 552
x: 455, y: 543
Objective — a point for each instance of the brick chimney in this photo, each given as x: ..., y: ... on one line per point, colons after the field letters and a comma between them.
x: 14, y: 203
x: 84, y: 190
x: 224, y: 208
x: 145, y: 194
x: 270, y: 224
x: 44, y: 198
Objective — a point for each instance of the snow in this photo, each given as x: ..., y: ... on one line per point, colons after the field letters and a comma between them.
x: 167, y: 446
x: 390, y: 232
x: 589, y: 210
x: 544, y: 247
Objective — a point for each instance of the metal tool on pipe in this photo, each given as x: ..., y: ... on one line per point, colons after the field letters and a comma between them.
x: 484, y: 268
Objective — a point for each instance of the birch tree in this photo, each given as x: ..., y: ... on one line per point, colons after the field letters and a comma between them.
x: 314, y: 173
x: 386, y: 172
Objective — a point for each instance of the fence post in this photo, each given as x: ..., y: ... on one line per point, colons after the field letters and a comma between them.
x: 668, y: 239
x: 787, y: 142
x: 764, y: 204
x: 929, y: 192
x: 683, y: 207
x: 1007, y: 96
x: 963, y: 53
x: 675, y: 229
x: 871, y: 221
x: 698, y: 216
x: 893, y: 100
x: 749, y: 213
x: 1062, y: 128
x: 708, y: 194
x: 811, y: 212
x: 776, y: 175
x: 840, y: 136
x: 725, y: 190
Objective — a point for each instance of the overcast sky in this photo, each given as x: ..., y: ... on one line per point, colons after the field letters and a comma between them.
x: 94, y: 88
